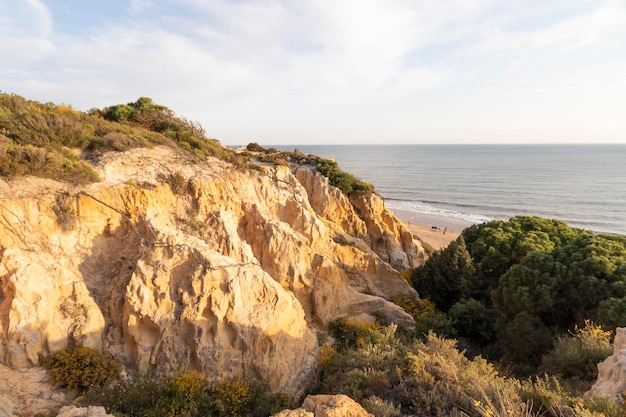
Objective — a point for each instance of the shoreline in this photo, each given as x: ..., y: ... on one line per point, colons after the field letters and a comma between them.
x: 433, y: 230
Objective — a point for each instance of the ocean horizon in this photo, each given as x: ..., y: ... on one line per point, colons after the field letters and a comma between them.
x: 454, y: 186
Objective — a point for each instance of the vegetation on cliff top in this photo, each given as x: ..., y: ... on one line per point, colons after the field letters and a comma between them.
x: 56, y: 141
x: 346, y: 182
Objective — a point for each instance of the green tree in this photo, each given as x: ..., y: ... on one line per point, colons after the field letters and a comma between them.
x: 474, y: 321
x: 528, y: 287
x: 612, y: 312
x: 447, y: 276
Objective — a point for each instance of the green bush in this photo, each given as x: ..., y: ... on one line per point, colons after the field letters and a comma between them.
x: 255, y: 147
x: 447, y: 276
x: 380, y: 408
x: 351, y: 334
x: 427, y: 317
x: 431, y: 377
x: 474, y: 321
x: 44, y: 139
x: 231, y: 398
x: 577, y: 355
x: 612, y: 312
x: 135, y: 398
x: 81, y: 368
x: 187, y: 394
x: 345, y: 181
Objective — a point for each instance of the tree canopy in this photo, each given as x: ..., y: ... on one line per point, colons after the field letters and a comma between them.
x: 539, y: 277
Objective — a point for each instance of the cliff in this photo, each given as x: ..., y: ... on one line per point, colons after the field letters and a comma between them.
x: 170, y: 263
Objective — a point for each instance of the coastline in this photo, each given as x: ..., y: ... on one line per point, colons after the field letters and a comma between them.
x: 422, y: 227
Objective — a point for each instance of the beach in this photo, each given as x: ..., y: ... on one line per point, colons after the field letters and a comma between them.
x: 436, y: 231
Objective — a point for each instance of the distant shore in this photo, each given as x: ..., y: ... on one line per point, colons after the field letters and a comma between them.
x: 436, y: 231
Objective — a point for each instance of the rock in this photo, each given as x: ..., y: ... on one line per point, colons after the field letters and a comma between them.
x: 232, y: 274
x: 327, y: 406
x: 6, y: 405
x: 298, y: 412
x: 27, y: 392
x: 611, y: 380
x: 73, y: 411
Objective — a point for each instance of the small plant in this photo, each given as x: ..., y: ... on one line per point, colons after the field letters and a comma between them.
x: 137, y: 398
x: 380, y: 408
x: 351, y: 334
x: 177, y: 182
x: 578, y: 354
x: 230, y: 398
x: 341, y: 240
x: 65, y: 215
x: 81, y: 368
x: 255, y: 147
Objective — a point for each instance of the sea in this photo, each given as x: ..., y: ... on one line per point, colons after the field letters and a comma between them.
x: 454, y: 186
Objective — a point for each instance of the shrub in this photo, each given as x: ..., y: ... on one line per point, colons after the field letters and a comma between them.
x: 546, y: 393
x: 474, y: 321
x: 379, y: 407
x: 184, y: 391
x: 255, y: 147
x: 177, y: 182
x: 612, y: 312
x: 426, y: 316
x: 351, y: 334
x: 345, y: 181
x: 578, y: 354
x: 604, y: 406
x: 36, y: 137
x: 230, y: 398
x: 136, y: 398
x: 65, y: 215
x: 81, y: 368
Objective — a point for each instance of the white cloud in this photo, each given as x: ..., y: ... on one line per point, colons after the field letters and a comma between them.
x: 25, y: 28
x: 318, y: 66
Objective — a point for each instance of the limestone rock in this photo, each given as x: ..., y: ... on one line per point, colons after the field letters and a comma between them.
x: 327, y: 406
x: 612, y: 371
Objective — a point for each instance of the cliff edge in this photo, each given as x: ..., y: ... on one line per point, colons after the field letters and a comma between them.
x: 171, y: 263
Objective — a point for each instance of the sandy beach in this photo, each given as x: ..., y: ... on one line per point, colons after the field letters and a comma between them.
x: 436, y: 231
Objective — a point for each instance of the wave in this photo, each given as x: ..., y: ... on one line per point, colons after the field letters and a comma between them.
x: 424, y: 208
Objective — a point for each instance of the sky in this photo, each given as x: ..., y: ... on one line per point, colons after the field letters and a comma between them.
x: 281, y: 72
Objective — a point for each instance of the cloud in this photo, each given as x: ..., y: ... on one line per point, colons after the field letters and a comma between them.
x: 601, y: 23
x: 278, y: 63
x: 25, y: 28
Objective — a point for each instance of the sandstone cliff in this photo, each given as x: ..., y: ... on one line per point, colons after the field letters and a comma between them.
x: 168, y: 263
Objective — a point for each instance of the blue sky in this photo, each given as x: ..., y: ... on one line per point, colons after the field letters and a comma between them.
x: 334, y: 71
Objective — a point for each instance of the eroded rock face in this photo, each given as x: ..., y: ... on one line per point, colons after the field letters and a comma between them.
x: 612, y: 371
x: 231, y: 275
